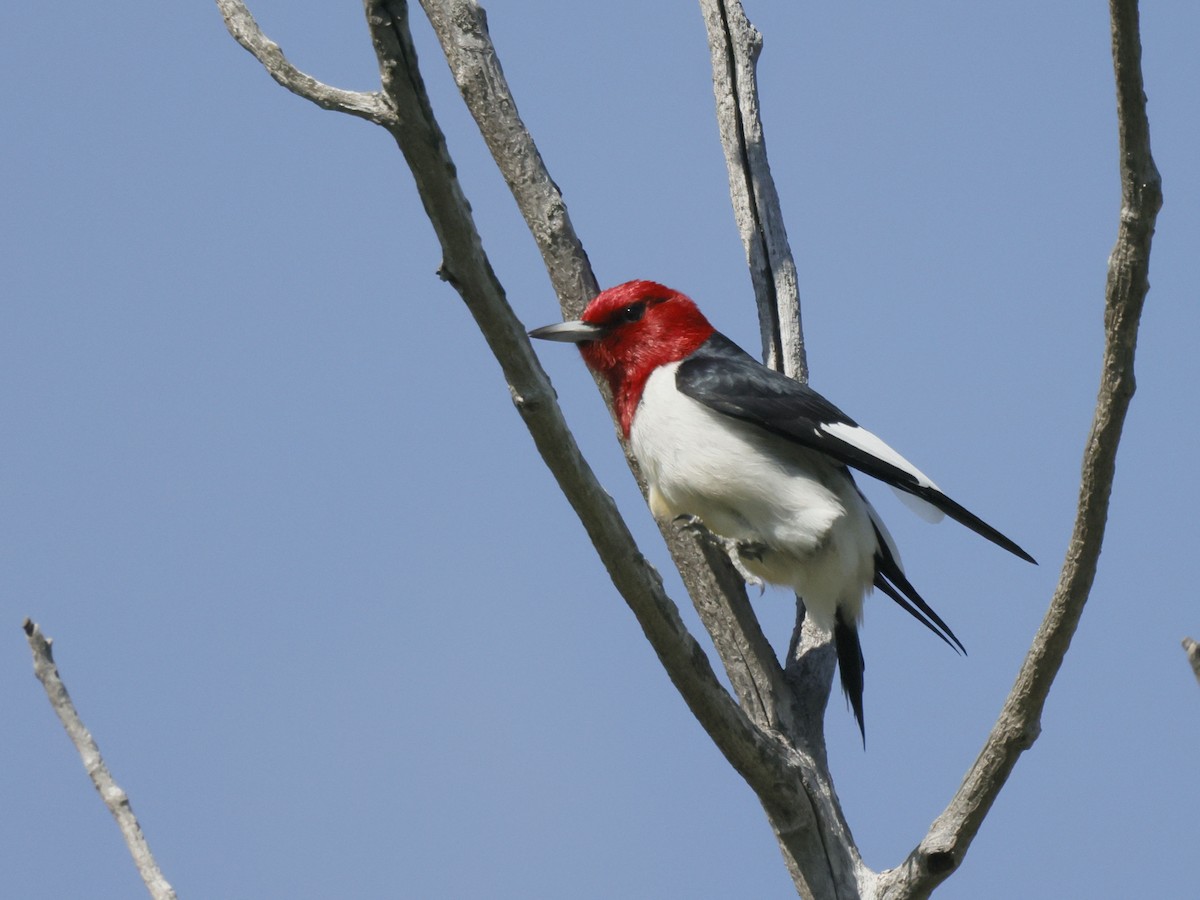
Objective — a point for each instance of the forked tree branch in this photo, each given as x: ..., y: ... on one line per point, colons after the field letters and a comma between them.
x: 245, y: 31
x: 110, y: 792
x: 942, y: 849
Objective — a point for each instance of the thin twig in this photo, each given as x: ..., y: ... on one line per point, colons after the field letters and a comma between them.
x: 370, y: 106
x: 943, y: 848
x: 110, y: 792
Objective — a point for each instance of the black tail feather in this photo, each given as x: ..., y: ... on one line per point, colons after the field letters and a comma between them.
x: 851, y: 667
x: 912, y: 603
x: 890, y: 579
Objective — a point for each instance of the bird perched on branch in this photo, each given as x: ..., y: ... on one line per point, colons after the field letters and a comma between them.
x: 759, y: 459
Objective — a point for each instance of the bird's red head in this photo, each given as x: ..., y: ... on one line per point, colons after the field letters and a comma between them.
x: 630, y: 330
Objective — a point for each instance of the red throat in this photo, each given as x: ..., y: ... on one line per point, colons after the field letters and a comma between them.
x: 651, y: 326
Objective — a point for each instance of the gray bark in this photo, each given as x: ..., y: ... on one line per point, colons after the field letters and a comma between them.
x: 734, y: 45
x: 115, y: 799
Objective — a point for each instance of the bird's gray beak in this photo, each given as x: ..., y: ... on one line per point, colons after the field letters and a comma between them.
x: 574, y: 332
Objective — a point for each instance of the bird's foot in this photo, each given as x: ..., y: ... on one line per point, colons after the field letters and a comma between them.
x: 747, y: 550
x: 690, y: 523
x: 752, y: 550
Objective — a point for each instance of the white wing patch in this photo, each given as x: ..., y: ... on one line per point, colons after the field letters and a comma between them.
x: 922, y: 508
x: 869, y: 443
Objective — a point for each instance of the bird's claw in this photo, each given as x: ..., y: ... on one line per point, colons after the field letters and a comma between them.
x: 752, y: 550
x: 690, y: 523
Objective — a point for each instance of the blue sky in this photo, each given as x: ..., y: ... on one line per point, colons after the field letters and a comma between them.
x: 323, y: 608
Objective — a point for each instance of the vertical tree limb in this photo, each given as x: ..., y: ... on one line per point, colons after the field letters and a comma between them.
x: 110, y: 792
x: 734, y: 45
x: 943, y: 848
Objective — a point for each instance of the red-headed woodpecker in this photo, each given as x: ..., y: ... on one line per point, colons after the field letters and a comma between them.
x: 759, y: 459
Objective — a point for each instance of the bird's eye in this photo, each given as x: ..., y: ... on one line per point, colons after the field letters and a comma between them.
x: 632, y: 312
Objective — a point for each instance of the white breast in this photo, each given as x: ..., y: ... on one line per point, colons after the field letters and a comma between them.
x: 751, y: 486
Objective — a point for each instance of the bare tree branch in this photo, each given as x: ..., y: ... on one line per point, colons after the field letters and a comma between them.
x: 1192, y: 649
x: 943, y: 848
x: 110, y: 792
x: 245, y: 31
x: 735, y: 45
x: 461, y: 28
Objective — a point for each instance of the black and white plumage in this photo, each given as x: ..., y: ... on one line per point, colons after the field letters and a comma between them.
x: 760, y: 459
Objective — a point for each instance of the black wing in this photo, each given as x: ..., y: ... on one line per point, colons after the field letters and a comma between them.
x: 728, y: 380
